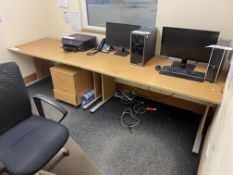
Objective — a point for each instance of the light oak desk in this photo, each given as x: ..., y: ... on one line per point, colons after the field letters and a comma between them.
x: 111, y: 66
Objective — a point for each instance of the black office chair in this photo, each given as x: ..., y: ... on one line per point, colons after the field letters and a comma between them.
x: 27, y: 141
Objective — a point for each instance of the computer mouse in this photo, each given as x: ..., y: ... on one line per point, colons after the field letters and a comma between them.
x: 158, y: 67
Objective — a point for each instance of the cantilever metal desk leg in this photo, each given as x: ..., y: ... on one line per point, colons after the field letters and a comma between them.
x: 91, y: 102
x: 99, y: 105
x: 198, y: 139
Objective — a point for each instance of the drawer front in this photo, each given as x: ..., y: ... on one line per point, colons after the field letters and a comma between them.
x: 63, y: 82
x: 68, y: 98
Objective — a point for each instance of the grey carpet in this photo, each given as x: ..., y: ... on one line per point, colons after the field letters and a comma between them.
x: 160, y: 145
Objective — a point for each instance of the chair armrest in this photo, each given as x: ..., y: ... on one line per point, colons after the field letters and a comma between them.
x: 39, y: 98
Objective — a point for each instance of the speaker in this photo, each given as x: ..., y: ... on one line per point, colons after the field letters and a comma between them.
x: 216, y: 58
x: 142, y: 46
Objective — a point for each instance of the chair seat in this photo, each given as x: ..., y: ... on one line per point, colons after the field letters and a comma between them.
x: 31, y: 144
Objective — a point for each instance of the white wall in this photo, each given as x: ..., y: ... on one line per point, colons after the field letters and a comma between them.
x: 218, y: 157
x: 23, y: 21
x: 57, y: 25
x: 196, y: 14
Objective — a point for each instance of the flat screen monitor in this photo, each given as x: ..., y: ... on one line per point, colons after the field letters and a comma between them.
x: 188, y: 44
x: 118, y: 35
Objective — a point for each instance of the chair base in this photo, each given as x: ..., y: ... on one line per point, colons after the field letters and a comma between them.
x: 43, y: 172
x: 64, y: 152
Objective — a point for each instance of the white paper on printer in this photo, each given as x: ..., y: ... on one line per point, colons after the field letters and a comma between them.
x: 68, y: 37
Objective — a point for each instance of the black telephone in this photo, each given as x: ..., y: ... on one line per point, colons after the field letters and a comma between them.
x: 103, y: 47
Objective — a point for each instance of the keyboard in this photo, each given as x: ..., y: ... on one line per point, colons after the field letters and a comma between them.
x: 182, y: 73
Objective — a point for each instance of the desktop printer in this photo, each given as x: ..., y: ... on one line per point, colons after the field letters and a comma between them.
x: 78, y: 42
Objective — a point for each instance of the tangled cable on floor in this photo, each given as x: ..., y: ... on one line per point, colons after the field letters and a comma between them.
x: 125, y: 96
x: 138, y: 109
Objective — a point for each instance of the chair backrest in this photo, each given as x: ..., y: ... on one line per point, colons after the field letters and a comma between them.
x: 14, y: 100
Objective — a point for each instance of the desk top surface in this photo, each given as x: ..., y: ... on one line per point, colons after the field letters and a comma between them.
x: 120, y: 67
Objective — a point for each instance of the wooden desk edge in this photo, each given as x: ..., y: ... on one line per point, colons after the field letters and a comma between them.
x: 177, y: 94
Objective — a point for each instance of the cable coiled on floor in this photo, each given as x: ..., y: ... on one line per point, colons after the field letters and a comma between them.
x: 128, y: 112
x: 125, y: 96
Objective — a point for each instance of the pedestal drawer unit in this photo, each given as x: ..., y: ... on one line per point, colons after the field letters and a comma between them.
x: 70, y: 83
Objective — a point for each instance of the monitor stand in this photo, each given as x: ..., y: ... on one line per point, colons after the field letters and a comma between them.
x: 122, y: 52
x: 183, y: 64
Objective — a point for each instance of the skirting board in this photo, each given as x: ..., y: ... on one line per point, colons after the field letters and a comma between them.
x: 30, y: 78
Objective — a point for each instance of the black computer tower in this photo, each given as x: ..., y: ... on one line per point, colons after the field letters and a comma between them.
x: 142, y: 46
x: 216, y: 59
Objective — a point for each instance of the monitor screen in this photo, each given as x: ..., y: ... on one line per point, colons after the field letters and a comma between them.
x: 118, y: 35
x: 188, y: 43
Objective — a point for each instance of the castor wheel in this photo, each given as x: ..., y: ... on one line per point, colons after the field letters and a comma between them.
x: 66, y: 153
